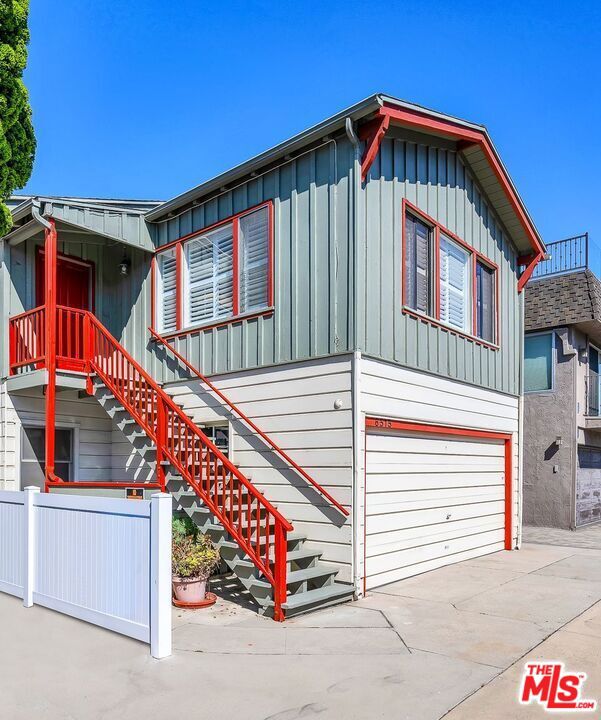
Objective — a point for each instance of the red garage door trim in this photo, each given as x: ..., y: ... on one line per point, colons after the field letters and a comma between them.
x: 406, y: 426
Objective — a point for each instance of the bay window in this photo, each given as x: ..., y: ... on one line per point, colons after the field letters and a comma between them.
x: 224, y: 273
x: 445, y: 280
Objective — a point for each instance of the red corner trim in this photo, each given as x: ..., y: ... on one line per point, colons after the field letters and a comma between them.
x: 530, y: 262
x: 466, y: 137
x: 373, y: 134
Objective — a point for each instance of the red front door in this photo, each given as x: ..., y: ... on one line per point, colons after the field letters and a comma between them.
x: 73, y: 292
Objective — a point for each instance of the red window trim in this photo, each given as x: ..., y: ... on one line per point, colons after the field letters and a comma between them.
x: 179, y: 254
x: 476, y: 256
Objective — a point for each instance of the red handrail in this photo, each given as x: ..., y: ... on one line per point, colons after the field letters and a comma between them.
x: 256, y: 525
x: 27, y: 338
x: 251, y: 424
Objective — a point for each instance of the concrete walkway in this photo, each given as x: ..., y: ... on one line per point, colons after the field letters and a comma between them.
x: 585, y: 537
x: 450, y: 641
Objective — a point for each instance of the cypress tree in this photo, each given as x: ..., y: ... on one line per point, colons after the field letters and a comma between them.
x: 17, y: 140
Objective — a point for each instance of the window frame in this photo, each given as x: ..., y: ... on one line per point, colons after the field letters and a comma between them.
x: 551, y: 334
x: 181, y: 281
x: 31, y: 422
x: 437, y: 229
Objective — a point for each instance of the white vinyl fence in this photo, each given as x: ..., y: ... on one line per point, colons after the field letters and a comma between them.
x: 103, y: 560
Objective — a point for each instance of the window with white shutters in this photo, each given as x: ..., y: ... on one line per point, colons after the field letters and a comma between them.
x: 253, y: 237
x: 418, y: 261
x: 455, y: 285
x: 167, y: 291
x: 209, y: 274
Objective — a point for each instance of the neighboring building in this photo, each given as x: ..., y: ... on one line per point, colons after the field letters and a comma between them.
x: 355, y: 291
x: 562, y: 438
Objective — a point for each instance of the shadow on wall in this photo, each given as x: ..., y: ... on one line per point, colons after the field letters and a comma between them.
x: 240, y: 428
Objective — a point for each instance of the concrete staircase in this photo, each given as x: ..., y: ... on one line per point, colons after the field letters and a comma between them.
x: 311, y: 584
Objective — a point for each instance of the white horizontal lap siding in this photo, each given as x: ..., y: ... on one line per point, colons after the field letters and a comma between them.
x: 294, y: 405
x: 423, y: 477
x: 8, y: 441
x: 92, y: 459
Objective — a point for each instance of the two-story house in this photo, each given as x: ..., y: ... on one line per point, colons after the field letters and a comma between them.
x: 562, y: 439
x: 319, y: 352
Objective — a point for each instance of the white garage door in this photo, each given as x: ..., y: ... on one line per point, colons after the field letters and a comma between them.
x: 431, y: 500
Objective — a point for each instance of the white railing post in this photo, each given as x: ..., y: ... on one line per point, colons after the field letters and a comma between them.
x: 29, y: 544
x: 160, y: 575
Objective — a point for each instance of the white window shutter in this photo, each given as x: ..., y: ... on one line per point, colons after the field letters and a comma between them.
x: 209, y: 277
x: 167, y: 295
x: 254, y: 260
x: 417, y: 265
x: 454, y: 285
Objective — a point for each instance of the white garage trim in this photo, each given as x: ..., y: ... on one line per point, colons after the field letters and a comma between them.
x: 374, y: 424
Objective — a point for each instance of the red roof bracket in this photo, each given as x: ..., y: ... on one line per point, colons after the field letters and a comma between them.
x: 530, y: 261
x: 373, y: 134
x: 466, y: 137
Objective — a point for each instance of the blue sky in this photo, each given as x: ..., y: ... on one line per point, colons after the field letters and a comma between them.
x: 146, y: 99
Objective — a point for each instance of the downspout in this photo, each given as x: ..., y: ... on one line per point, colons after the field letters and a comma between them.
x: 37, y: 216
x: 522, y: 301
x: 357, y: 571
x: 50, y: 244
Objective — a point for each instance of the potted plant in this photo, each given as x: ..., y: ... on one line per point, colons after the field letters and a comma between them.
x: 193, y: 558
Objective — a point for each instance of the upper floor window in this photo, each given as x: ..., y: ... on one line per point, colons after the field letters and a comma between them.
x: 447, y: 280
x: 167, y: 291
x: 224, y: 272
x: 538, y: 362
x: 418, y: 264
x: 455, y: 285
x: 485, y: 302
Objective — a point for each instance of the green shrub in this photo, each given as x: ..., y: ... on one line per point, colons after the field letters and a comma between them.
x: 193, y: 554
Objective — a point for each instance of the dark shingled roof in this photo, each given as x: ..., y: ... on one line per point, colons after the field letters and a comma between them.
x: 562, y: 300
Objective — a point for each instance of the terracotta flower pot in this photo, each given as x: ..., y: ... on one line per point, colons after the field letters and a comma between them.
x: 189, y: 590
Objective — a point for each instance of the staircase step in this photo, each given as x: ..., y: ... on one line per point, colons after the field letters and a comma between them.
x: 297, y: 576
x: 320, y: 597
x: 303, y: 554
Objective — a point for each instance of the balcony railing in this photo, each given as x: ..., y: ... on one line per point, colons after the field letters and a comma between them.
x: 28, y: 339
x: 592, y: 393
x: 570, y: 255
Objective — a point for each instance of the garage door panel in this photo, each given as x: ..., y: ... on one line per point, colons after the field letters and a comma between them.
x: 469, y: 463
x: 400, y: 573
x: 434, y: 516
x: 400, y: 501
x: 413, y: 537
x: 380, y: 443
x: 416, y: 555
x: 399, y: 481
x: 429, y: 500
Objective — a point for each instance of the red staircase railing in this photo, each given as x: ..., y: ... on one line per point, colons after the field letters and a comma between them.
x: 258, y: 528
x: 301, y: 471
x: 27, y: 339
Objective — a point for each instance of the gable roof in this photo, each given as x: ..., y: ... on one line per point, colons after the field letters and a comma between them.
x: 472, y: 141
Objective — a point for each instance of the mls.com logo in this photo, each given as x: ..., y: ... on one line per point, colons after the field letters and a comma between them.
x: 552, y: 687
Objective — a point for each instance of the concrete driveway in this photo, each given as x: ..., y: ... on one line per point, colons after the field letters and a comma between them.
x: 415, y: 649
